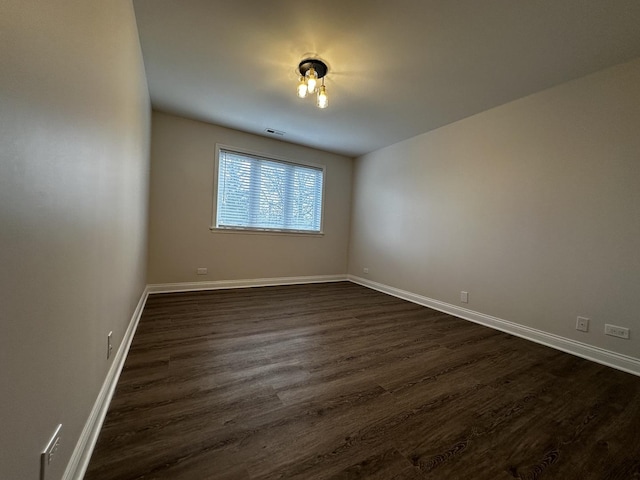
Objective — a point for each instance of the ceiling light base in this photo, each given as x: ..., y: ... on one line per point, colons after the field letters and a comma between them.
x: 319, y: 66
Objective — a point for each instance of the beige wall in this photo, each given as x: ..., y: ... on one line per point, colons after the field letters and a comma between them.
x: 74, y: 130
x: 180, y: 241
x: 532, y: 207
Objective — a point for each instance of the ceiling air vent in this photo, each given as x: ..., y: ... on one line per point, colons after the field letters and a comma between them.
x: 271, y: 131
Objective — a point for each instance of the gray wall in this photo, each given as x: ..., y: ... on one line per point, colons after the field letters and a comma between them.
x: 532, y: 207
x: 180, y: 210
x: 74, y: 167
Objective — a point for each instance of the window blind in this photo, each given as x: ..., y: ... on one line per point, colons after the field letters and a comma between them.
x: 259, y: 193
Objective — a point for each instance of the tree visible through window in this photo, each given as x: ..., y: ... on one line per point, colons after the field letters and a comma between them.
x: 260, y: 193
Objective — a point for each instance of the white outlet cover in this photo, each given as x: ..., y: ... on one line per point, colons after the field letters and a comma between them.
x: 582, y: 324
x: 615, y: 331
x: 47, y: 456
x: 109, y: 344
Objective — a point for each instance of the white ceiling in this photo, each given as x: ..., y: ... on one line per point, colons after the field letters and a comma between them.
x: 396, y: 68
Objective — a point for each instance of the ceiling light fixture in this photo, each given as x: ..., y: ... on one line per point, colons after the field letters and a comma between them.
x: 311, y: 71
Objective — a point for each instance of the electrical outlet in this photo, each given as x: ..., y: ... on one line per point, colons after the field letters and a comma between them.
x: 365, y: 270
x: 616, y: 331
x: 582, y: 324
x: 48, y: 455
x: 202, y: 271
x: 464, y: 297
x: 109, y: 345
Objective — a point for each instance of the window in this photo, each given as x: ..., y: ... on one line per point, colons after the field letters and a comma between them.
x: 266, y: 194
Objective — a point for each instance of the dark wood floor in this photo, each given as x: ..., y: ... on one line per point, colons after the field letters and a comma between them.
x: 336, y: 381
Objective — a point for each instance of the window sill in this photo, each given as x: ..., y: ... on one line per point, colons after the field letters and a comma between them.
x: 257, y: 231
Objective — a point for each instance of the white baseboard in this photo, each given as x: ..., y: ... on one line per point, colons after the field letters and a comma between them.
x: 605, y: 357
x: 245, y: 283
x: 79, y: 461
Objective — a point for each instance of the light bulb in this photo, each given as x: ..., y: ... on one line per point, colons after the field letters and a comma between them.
x: 302, y: 88
x: 312, y: 80
x: 323, y: 100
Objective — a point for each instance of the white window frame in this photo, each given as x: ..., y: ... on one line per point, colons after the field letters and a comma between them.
x: 253, y: 230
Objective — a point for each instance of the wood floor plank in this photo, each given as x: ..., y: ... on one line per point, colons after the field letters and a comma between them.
x: 337, y: 381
